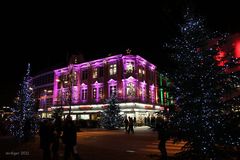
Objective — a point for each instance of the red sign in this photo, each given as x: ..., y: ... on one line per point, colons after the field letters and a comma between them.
x: 85, y: 108
x: 148, y: 107
x: 104, y: 107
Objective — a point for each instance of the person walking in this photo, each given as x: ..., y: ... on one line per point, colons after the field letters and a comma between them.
x: 126, y: 124
x: 163, y: 136
x: 57, y: 131
x: 45, y: 133
x: 130, y: 126
x: 70, y: 139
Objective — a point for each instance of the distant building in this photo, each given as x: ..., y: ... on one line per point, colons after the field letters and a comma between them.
x: 43, y: 89
x: 86, y: 86
x: 5, y: 111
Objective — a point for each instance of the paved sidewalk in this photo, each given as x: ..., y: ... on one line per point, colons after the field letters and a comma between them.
x: 96, y: 144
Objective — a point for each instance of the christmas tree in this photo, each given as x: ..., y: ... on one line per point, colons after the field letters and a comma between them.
x: 110, y: 117
x: 24, y: 121
x: 199, y: 87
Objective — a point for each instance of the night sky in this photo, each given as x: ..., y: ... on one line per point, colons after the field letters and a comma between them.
x: 45, y: 36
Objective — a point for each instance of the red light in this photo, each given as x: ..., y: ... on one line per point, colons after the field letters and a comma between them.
x: 237, y: 49
x: 220, y: 58
x: 220, y: 55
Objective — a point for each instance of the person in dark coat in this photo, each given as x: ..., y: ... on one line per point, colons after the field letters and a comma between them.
x: 130, y: 125
x: 45, y: 134
x: 163, y: 136
x: 69, y: 138
x: 126, y: 124
x: 57, y: 131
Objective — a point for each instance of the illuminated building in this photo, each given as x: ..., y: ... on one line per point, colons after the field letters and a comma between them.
x: 165, y: 98
x: 84, y: 87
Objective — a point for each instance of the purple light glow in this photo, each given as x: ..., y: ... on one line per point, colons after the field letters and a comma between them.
x: 121, y: 91
x: 152, y: 67
x: 152, y: 93
x: 75, y: 95
x: 143, y: 90
x: 83, y: 86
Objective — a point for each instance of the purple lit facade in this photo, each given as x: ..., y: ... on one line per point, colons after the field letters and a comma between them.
x: 130, y: 77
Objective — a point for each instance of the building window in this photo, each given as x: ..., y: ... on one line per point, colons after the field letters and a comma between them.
x: 113, y: 90
x: 101, y: 92
x: 84, y: 75
x: 130, y: 67
x: 131, y: 90
x: 84, y: 94
x: 101, y: 72
x: 95, y: 73
x: 113, y: 69
x: 94, y: 93
x: 141, y: 72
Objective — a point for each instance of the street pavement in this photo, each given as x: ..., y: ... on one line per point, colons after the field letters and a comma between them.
x: 99, y: 144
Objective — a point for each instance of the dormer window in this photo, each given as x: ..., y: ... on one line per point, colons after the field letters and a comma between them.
x: 130, y: 67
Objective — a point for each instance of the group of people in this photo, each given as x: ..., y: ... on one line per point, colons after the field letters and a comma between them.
x: 129, y: 124
x: 53, y: 132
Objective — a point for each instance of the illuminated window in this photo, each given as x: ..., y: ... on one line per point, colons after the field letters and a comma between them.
x: 84, y: 94
x: 101, y: 92
x: 130, y: 67
x: 113, y: 69
x: 131, y: 89
x: 95, y: 73
x: 84, y: 116
x: 141, y: 72
x: 113, y: 90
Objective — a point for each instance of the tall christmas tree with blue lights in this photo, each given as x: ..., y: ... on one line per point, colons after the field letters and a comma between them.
x: 199, y: 88
x: 24, y: 119
x: 110, y: 117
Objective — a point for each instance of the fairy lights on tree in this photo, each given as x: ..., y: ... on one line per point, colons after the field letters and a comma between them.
x: 199, y: 87
x: 24, y: 119
x: 110, y: 117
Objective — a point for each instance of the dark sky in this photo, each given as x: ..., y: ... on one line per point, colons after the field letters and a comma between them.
x: 46, y: 35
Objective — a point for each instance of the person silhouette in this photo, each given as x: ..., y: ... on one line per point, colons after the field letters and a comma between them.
x: 163, y: 136
x: 130, y: 125
x: 69, y: 138
x: 45, y: 133
x: 126, y: 124
x: 57, y: 129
